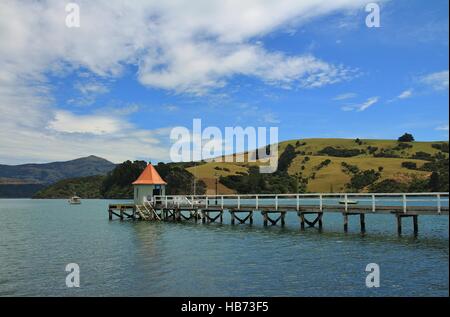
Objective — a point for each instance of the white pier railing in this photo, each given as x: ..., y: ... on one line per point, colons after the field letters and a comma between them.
x: 431, y: 203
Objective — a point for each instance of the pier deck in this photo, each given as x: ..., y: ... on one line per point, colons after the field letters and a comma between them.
x: 273, y: 208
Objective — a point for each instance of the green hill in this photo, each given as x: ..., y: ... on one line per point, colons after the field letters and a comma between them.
x: 49, y: 173
x: 324, y: 165
x: 85, y: 187
x: 308, y: 165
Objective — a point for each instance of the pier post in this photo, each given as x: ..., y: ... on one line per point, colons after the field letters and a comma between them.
x: 345, y: 222
x: 232, y: 217
x: 251, y: 217
x: 265, y: 217
x: 282, y: 215
x: 110, y: 214
x: 302, y: 220
x: 320, y: 221
x: 399, y: 224
x: 202, y: 215
x: 362, y: 222
x: 416, y: 224
x: 221, y: 216
x: 121, y: 213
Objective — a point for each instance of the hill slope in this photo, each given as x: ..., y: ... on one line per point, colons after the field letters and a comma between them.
x: 52, y: 172
x: 321, y: 163
x: 86, y: 187
x: 26, y: 179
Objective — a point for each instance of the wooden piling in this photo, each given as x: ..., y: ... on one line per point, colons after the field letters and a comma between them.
x: 302, y: 220
x: 232, y: 217
x: 416, y: 224
x: 265, y: 219
x: 362, y: 222
x: 399, y: 224
x: 345, y: 222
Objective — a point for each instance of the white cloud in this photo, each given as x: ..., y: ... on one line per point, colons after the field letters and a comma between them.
x: 91, y: 87
x: 405, y: 94
x: 270, y: 118
x: 363, y: 106
x: 442, y: 128
x: 438, y: 80
x: 180, y: 46
x: 67, y: 122
x: 345, y: 96
x: 177, y: 45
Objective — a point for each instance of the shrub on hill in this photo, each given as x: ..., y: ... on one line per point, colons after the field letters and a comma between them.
x: 286, y: 158
x: 331, y: 151
x: 362, y: 179
x: 388, y: 186
x: 406, y: 138
x: 410, y: 165
x: 441, y: 147
x: 257, y: 183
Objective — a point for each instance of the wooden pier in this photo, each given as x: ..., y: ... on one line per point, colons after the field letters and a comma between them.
x: 273, y: 208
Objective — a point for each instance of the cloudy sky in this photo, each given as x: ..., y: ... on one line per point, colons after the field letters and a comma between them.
x: 133, y: 70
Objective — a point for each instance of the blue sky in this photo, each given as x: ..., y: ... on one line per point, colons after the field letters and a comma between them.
x: 119, y: 84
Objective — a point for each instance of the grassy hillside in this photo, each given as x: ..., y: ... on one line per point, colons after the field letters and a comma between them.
x: 383, y: 156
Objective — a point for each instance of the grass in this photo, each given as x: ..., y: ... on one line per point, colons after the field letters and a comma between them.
x: 331, y: 177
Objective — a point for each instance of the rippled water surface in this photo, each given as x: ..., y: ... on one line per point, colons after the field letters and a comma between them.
x: 131, y: 258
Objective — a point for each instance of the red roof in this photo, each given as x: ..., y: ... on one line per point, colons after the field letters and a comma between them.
x: 149, y: 177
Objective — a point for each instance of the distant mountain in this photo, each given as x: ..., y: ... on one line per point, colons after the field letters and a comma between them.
x: 26, y: 179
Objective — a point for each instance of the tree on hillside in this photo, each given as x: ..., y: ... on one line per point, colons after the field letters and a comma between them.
x: 406, y: 138
x: 286, y: 158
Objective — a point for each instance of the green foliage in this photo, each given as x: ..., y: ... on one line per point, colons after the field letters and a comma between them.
x: 402, y: 146
x: 179, y: 180
x: 410, y: 165
x: 117, y: 183
x: 388, y: 186
x: 286, y: 158
x: 362, y: 179
x: 349, y: 169
x: 85, y: 187
x: 19, y: 190
x: 422, y: 156
x: 387, y: 153
x: 406, y: 138
x: 257, y: 183
x: 331, y: 151
x: 441, y: 147
x: 323, y: 164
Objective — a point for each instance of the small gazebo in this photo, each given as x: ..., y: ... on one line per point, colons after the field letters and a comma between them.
x: 148, y: 184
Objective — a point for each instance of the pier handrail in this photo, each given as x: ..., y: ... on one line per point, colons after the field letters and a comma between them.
x: 405, y: 200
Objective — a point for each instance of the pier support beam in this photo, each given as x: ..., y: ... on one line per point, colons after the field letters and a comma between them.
x: 273, y: 222
x: 362, y: 222
x: 248, y: 218
x: 415, y: 223
x: 310, y: 224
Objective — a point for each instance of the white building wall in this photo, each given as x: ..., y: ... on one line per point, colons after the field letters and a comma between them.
x: 146, y: 191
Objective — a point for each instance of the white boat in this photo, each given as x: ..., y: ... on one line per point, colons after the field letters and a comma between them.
x: 75, y: 200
